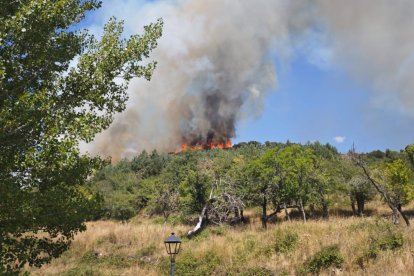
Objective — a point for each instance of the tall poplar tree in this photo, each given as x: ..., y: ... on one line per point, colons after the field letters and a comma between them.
x: 46, y: 108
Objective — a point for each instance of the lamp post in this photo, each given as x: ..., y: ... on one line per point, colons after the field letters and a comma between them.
x: 172, y: 245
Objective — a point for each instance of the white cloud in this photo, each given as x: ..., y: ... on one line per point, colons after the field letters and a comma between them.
x: 339, y: 139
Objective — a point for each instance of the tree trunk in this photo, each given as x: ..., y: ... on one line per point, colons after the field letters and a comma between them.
x: 200, y: 223
x: 286, y: 212
x: 354, y: 212
x: 325, y: 213
x: 396, y: 213
x: 312, y: 210
x: 302, y: 210
x: 203, y: 215
x: 264, y: 212
x: 360, y: 199
x: 165, y: 220
x: 325, y: 210
x: 395, y: 216
x: 403, y: 215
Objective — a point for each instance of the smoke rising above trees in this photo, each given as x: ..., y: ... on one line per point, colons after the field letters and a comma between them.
x: 217, y: 63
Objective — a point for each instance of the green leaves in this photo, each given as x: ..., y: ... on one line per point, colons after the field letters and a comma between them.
x: 398, y: 181
x: 285, y: 171
x: 325, y: 258
x: 410, y: 153
x: 46, y: 109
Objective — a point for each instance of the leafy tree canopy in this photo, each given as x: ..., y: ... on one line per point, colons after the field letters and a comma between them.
x: 46, y: 108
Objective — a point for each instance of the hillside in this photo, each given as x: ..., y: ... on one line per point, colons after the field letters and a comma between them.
x: 364, y: 246
x: 266, y: 209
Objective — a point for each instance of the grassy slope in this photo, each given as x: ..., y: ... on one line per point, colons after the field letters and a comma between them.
x: 136, y: 248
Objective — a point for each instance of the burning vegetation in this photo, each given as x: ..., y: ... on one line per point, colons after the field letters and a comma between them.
x: 212, y: 124
x: 208, y: 145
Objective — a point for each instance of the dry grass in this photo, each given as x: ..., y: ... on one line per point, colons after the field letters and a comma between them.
x: 136, y: 248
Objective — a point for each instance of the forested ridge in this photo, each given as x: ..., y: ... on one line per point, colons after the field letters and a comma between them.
x: 275, y: 177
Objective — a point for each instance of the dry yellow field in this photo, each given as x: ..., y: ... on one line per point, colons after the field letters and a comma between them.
x: 136, y: 248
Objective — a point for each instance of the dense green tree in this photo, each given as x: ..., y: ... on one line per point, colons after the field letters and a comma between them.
x: 397, y: 182
x: 260, y: 185
x: 238, y: 175
x: 46, y: 108
x: 392, y: 155
x: 325, y: 181
x: 280, y: 177
x: 120, y: 189
x: 360, y: 191
x: 193, y: 191
x: 147, y: 165
x: 410, y: 153
x: 326, y: 151
x: 354, y: 184
x: 249, y: 150
x: 376, y: 154
x: 294, y: 167
x: 165, y: 198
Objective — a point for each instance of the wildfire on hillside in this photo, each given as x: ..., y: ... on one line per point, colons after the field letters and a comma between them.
x: 209, y: 145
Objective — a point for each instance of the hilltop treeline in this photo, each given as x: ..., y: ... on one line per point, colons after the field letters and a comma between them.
x: 275, y: 177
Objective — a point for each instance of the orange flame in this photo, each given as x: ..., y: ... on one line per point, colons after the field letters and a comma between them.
x: 211, y: 145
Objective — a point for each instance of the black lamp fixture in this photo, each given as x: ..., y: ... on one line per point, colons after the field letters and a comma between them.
x: 172, y: 245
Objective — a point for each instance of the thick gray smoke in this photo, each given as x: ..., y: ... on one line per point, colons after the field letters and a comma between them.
x: 374, y: 41
x: 216, y: 62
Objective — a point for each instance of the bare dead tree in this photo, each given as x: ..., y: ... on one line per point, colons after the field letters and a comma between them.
x: 226, y: 208
x: 223, y: 208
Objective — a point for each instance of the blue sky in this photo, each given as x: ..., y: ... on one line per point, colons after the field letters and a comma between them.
x: 314, y: 102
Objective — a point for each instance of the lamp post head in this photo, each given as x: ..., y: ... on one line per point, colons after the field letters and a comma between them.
x: 172, y: 245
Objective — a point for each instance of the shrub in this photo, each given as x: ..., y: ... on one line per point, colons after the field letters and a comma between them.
x: 251, y: 247
x: 388, y: 241
x: 285, y: 242
x: 146, y: 251
x: 191, y: 265
x: 250, y: 243
x: 327, y: 257
x: 370, y: 253
x: 145, y: 254
x: 383, y: 236
x: 391, y: 241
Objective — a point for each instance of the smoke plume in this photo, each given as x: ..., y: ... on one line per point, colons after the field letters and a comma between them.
x: 216, y: 62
